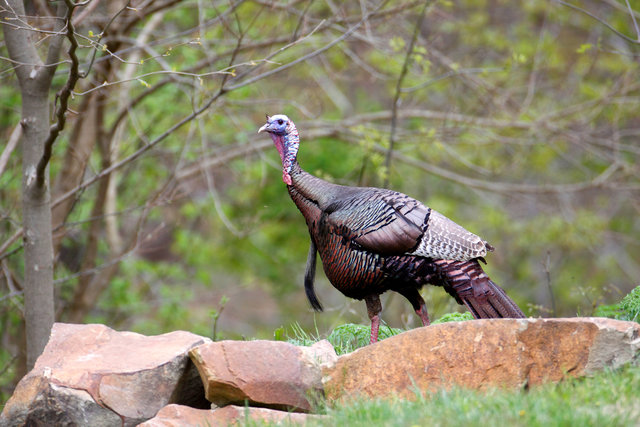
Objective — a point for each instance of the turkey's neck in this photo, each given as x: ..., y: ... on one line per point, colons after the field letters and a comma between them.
x: 312, y: 188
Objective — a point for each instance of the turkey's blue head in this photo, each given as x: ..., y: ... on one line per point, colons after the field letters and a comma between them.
x: 285, y: 137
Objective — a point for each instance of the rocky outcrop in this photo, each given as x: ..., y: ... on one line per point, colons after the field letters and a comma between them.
x: 265, y: 373
x: 481, y: 354
x: 93, y: 375
x: 180, y: 416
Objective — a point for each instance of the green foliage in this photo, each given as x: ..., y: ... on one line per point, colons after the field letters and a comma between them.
x: 348, y: 337
x: 608, y: 310
x: 627, y: 309
x: 630, y: 305
x: 453, y: 317
x: 297, y: 335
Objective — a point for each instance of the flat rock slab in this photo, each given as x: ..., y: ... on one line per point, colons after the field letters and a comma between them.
x: 264, y: 373
x: 481, y: 354
x: 93, y: 375
x: 180, y: 416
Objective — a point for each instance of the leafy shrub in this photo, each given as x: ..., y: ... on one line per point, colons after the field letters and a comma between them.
x: 630, y: 305
x: 454, y: 317
x: 627, y: 309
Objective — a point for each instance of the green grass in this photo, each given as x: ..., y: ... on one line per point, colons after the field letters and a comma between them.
x: 610, y: 398
x: 607, y: 399
x: 350, y: 336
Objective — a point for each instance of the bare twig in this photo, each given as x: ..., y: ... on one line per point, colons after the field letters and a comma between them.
x: 268, y: 58
x: 85, y: 12
x: 137, y: 153
x: 633, y: 18
x: 451, y: 73
x: 547, y: 272
x: 309, y: 55
x: 602, y: 21
x: 11, y: 145
x: 396, y: 98
x: 508, y: 187
x: 86, y: 72
x: 63, y: 96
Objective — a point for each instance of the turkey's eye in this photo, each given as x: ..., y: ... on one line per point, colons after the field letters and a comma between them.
x: 280, y: 121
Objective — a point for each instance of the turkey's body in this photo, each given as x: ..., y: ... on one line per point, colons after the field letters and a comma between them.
x: 372, y: 240
x: 353, y: 270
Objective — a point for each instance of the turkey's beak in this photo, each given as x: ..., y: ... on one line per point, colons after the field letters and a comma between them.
x: 264, y: 128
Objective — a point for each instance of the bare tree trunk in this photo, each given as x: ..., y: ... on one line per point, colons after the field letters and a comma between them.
x: 36, y: 217
x: 35, y: 83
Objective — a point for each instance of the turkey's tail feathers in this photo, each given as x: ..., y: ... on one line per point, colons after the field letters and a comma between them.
x: 470, y: 285
x: 309, y: 277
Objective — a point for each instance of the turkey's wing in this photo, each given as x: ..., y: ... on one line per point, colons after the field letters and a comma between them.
x: 385, y: 223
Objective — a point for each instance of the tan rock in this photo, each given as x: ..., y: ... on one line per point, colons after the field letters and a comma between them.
x: 93, y: 375
x: 480, y: 354
x: 181, y: 416
x: 268, y: 373
x: 178, y: 416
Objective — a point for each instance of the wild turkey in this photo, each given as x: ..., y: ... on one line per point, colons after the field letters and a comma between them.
x: 372, y: 240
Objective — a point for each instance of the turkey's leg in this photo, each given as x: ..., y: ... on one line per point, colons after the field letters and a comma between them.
x: 374, y: 307
x: 424, y: 316
x: 418, y: 304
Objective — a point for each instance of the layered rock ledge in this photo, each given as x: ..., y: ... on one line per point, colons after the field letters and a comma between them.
x: 481, y: 354
x: 92, y: 375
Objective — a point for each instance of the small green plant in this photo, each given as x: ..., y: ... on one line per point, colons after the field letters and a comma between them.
x: 453, y: 317
x: 630, y: 305
x: 298, y: 335
x: 215, y: 316
x: 627, y: 309
x: 350, y: 336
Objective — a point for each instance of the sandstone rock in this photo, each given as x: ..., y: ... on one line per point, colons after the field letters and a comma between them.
x: 480, y: 354
x: 93, y: 375
x: 179, y: 416
x: 267, y: 373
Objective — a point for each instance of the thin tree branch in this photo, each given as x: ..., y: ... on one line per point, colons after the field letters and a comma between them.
x: 62, y: 95
x: 86, y: 72
x: 85, y: 12
x: 17, y: 42
x: 309, y: 55
x: 11, y: 145
x: 396, y: 98
x: 138, y: 152
x: 53, y: 52
x: 508, y: 187
x: 633, y: 18
x: 602, y: 21
x: 448, y: 74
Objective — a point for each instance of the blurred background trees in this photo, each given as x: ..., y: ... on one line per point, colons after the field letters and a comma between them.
x: 518, y: 120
